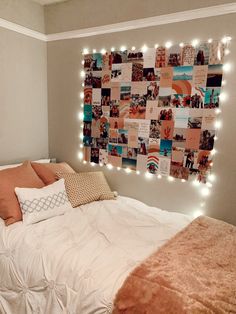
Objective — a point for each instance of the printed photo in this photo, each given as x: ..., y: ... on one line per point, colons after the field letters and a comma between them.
x: 152, y: 91
x: 149, y: 74
x: 135, y: 56
x: 212, y: 97
x: 119, y: 57
x: 129, y: 152
x: 87, y: 128
x: 197, y: 97
x: 153, y: 145
x: 122, y: 136
x: 177, y: 157
x: 87, y: 140
x: 96, y: 96
x: 155, y: 129
x: 142, y: 146
x: 124, y: 108
x: 149, y: 58
x: 137, y: 71
x: 114, y: 109
x: 106, y: 96
x: 204, y: 160
x: 137, y: 108
x: 180, y: 101
x: 165, y: 148
x: 88, y: 95
x: 161, y: 57
x: 125, y: 91
x: 207, y: 140
x: 183, y: 73
x: 152, y: 109
x: 115, y: 150
x: 164, y: 166
x: 166, y: 77
x: 182, y: 87
x: 96, y: 63
x: 115, y: 90
x: 104, y: 128
x: 113, y: 136
x: 191, y: 159
x: 116, y: 123
x: 95, y: 155
x: 179, y: 172
x: 174, y: 56
x: 201, y: 54
x: 116, y: 73
x: 97, y: 112
x: 167, y: 129
x: 106, y: 79
x: 193, y: 138
x: 179, y: 137
x: 93, y: 79
x: 188, y: 55
x: 103, y: 156
x: 87, y: 61
x: 95, y: 132
x: 129, y: 163
x: 166, y: 114
x: 200, y: 75
x: 195, y: 118
x: 101, y: 143
x: 106, y: 61
x: 164, y: 101
x: 214, y: 76
x: 153, y: 163
x: 88, y: 113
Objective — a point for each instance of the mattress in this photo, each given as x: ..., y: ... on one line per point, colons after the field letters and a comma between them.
x: 77, y: 262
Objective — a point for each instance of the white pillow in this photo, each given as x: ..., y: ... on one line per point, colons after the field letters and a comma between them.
x: 44, y: 203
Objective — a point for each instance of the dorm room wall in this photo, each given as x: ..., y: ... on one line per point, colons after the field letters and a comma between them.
x: 23, y: 85
x: 64, y: 86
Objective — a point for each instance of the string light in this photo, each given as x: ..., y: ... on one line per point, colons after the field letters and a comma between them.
x: 82, y: 74
x: 118, y: 168
x: 109, y: 166
x: 81, y: 116
x: 81, y: 95
x: 223, y: 97
x: 195, y: 42
x: 80, y: 155
x: 197, y: 213
x: 170, y: 178
x: 205, y: 191
x: 103, y: 51
x: 122, y: 48
x: 128, y: 170
x: 82, y: 62
x: 85, y: 51
x: 94, y: 50
x: 148, y: 175
x: 168, y: 44
x: 92, y: 164
x: 226, y: 39
x: 144, y: 48
x: 211, y: 177
x: 112, y: 49
x: 159, y: 176
x: 84, y: 162
x: 181, y: 45
x: 226, y: 67
x: 156, y: 46
x: 210, y: 40
x: 81, y: 136
x: 133, y: 48
x: 218, y: 124
x: 138, y: 172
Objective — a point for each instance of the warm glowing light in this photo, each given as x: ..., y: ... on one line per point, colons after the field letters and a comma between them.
x: 133, y: 48
x: 122, y: 48
x: 223, y: 96
x: 138, y: 172
x: 210, y: 40
x: 81, y: 145
x: 215, y: 138
x: 80, y: 155
x: 218, y: 124
x: 159, y: 176
x: 156, y: 46
x: 82, y: 105
x: 103, y: 51
x: 213, y: 151
x: 82, y: 62
x: 148, y: 175
x: 195, y: 42
x: 226, y: 39
x: 82, y: 73
x: 82, y: 84
x: 226, y: 67
x: 144, y: 48
x: 81, y: 95
x: 118, y: 168
x: 84, y: 162
x: 209, y: 184
x: 92, y: 164
x: 170, y: 178
x: 196, y: 183
x: 218, y: 111
x: 181, y: 45
x: 223, y: 83
x: 202, y: 204
x: 100, y: 164
x: 183, y: 180
x: 211, y: 177
x: 168, y: 44
x: 197, y: 213
x: 205, y: 191
x: 109, y: 166
x: 81, y: 136
x: 94, y: 50
x: 85, y: 51
x: 128, y: 170
x: 81, y: 116
x: 227, y: 52
x: 112, y: 49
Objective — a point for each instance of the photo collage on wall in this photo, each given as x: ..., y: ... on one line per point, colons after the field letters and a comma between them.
x: 153, y: 110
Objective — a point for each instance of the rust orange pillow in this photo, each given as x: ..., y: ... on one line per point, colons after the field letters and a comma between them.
x: 47, y: 172
x: 22, y: 177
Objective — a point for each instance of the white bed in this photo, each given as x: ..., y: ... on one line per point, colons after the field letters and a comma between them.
x: 76, y: 263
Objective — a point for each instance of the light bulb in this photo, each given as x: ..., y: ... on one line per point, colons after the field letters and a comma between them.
x: 122, y: 48
x: 85, y: 51
x: 168, y: 44
x: 195, y: 42
x: 80, y: 155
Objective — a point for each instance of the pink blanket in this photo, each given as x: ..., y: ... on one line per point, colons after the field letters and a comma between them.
x: 195, y: 272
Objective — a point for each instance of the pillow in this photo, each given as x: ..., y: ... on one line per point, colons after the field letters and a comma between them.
x: 21, y: 176
x: 47, y: 172
x: 86, y: 187
x: 44, y: 203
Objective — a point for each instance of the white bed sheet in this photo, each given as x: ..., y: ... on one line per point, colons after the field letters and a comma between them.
x: 76, y: 263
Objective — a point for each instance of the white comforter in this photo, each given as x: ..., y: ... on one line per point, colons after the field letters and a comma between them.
x: 76, y: 263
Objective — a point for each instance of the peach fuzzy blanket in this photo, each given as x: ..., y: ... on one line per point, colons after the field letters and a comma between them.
x: 194, y: 272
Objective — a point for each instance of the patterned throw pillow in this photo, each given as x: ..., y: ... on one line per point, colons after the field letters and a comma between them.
x: 86, y: 187
x: 44, y: 203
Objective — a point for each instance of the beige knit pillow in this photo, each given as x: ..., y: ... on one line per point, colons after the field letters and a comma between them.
x: 86, y: 187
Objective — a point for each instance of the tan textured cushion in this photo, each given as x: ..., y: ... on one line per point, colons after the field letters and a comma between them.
x: 22, y: 177
x: 47, y: 172
x: 86, y: 187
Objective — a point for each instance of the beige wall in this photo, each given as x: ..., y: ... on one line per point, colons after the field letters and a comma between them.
x: 74, y: 14
x: 23, y: 12
x: 64, y: 85
x: 23, y: 86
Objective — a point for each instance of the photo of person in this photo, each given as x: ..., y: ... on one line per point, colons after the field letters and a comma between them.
x: 165, y: 148
x: 115, y: 150
x: 204, y: 160
x: 104, y: 129
x: 214, y: 75
x: 97, y: 112
x: 143, y: 146
x: 88, y: 58
x: 135, y: 56
x: 207, y: 140
x: 87, y: 140
x: 189, y: 162
x: 197, y: 98
x: 155, y: 129
x: 164, y: 101
x: 180, y: 101
x: 166, y: 114
x: 201, y: 54
x: 114, y: 109
x: 137, y: 107
x: 137, y: 71
x: 93, y: 79
x: 149, y: 74
x: 174, y: 56
x: 161, y: 58
x: 119, y: 57
x: 101, y: 143
x: 113, y: 136
x: 88, y: 96
x: 87, y: 128
x: 106, y: 96
x: 152, y: 91
x: 94, y: 155
x: 116, y: 73
x: 123, y: 136
x: 212, y: 97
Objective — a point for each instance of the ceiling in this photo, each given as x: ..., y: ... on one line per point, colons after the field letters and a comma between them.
x: 45, y: 2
